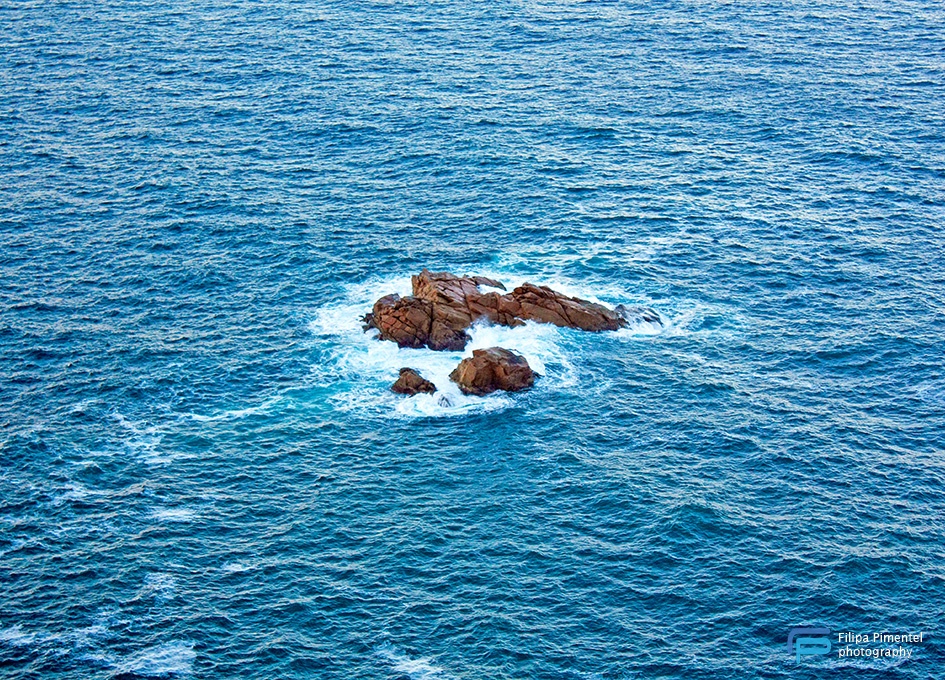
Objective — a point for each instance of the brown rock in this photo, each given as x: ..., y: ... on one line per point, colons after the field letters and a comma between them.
x: 484, y: 281
x: 444, y: 338
x: 406, y: 321
x: 410, y: 382
x: 488, y: 370
x: 541, y: 303
x: 449, y: 295
x: 443, y: 306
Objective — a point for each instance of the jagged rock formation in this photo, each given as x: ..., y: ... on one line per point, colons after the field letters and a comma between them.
x: 443, y: 306
x: 410, y: 383
x: 488, y: 370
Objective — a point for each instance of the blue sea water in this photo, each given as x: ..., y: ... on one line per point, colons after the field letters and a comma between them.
x: 202, y: 471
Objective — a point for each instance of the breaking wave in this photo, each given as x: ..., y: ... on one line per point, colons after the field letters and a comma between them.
x: 415, y: 669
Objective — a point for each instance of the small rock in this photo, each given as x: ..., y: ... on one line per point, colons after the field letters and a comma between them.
x: 410, y: 382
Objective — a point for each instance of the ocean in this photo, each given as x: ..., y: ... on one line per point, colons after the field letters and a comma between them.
x: 203, y: 472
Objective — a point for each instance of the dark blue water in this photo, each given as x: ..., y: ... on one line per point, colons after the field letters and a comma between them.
x: 202, y: 473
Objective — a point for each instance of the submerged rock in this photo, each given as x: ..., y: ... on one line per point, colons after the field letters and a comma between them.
x: 638, y: 315
x: 488, y: 370
x: 443, y: 306
x: 410, y: 382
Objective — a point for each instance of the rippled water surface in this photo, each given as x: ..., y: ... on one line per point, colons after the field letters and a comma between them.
x: 202, y: 471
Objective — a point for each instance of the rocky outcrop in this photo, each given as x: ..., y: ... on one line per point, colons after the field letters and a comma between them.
x: 410, y: 383
x: 488, y: 370
x: 541, y: 303
x: 443, y: 306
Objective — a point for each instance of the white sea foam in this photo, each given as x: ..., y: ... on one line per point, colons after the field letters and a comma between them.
x: 82, y: 407
x: 15, y: 636
x: 235, y: 568
x: 931, y: 392
x: 235, y: 414
x: 86, y: 637
x: 639, y: 327
x: 145, y: 441
x: 415, y: 669
x: 173, y: 658
x: 162, y: 586
x: 133, y: 427
x: 684, y: 322
x: 15, y: 545
x: 173, y: 514
x: 635, y: 330
x: 359, y: 369
x: 82, y: 642
x: 76, y: 492
x: 98, y: 657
